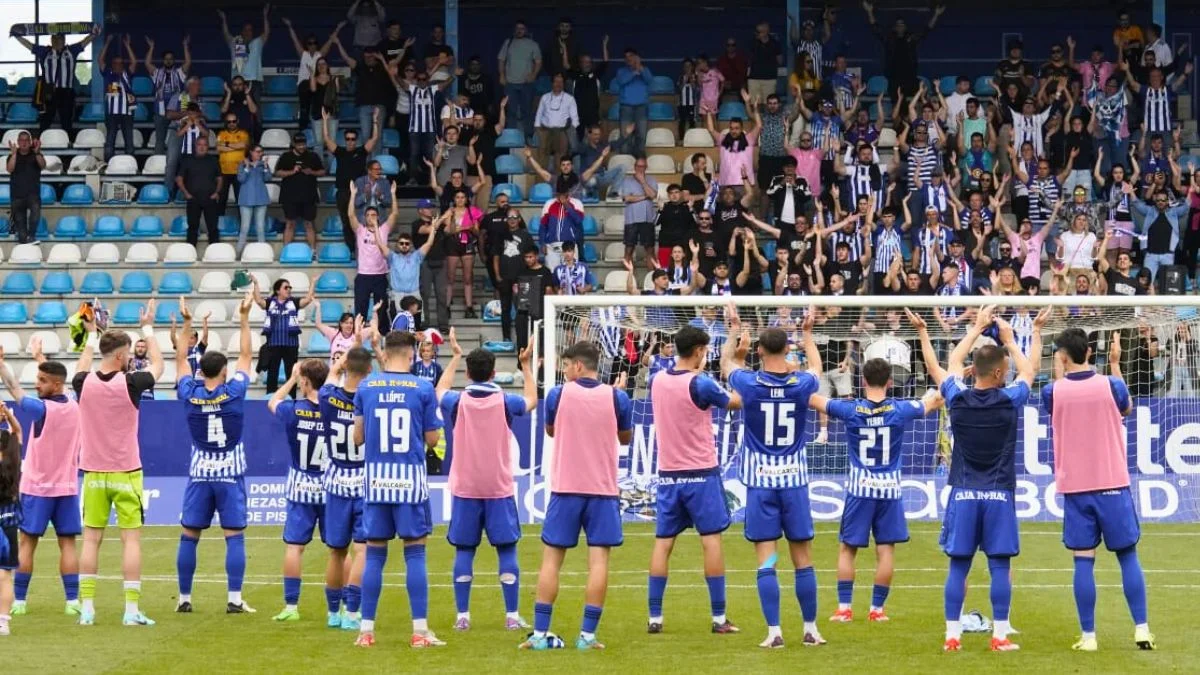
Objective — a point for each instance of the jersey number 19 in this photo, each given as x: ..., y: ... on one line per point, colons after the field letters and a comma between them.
x: 394, y: 424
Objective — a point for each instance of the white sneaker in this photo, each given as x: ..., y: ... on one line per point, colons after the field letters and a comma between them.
x: 822, y: 437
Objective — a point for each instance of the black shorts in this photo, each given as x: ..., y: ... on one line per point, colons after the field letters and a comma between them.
x: 306, y: 210
x: 456, y: 249
x: 639, y: 233
x: 9, y: 562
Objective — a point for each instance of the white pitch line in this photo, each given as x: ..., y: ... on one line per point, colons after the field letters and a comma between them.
x: 820, y: 570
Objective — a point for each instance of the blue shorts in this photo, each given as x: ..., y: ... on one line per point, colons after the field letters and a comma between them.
x: 693, y: 499
x: 39, y: 512
x: 864, y: 517
x: 980, y: 519
x: 772, y: 513
x: 203, y: 498
x: 403, y: 521
x: 469, y: 518
x: 301, y: 520
x: 598, y: 517
x: 1088, y: 516
x: 343, y: 521
x: 8, y: 548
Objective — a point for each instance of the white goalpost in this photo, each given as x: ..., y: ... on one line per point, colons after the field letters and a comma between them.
x: 1159, y: 338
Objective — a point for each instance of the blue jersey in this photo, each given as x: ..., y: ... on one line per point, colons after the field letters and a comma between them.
x: 984, y: 425
x: 658, y: 362
x: 193, y: 357
x: 345, y: 475
x: 396, y: 410
x: 875, y: 438
x: 214, y: 420
x: 774, y: 408
x: 431, y: 373
x: 306, y: 443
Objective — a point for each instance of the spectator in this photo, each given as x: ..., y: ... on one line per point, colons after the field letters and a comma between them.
x: 462, y: 223
x: 253, y: 174
x: 483, y: 136
x: 1163, y: 56
x: 533, y: 283
x: 232, y: 144
x: 351, y: 165
x: 119, y: 100
x: 633, y: 83
x: 1094, y: 72
x: 372, y: 190
x: 439, y: 58
x: 404, y: 264
x: 562, y: 51
x: 197, y: 342
x: 1157, y: 98
x: 24, y: 166
x: 562, y: 220
x: 772, y: 153
x: 371, y: 282
x: 574, y: 277
x: 975, y: 160
x: 139, y: 361
x: 168, y: 80
x: 491, y: 235
x: 1115, y: 279
x: 1015, y: 70
x: 639, y: 192
x: 1027, y: 246
x: 1161, y: 227
x: 56, y: 67
x: 201, y: 182
x: 281, y: 328
x: 449, y: 156
x: 954, y: 106
x: 1058, y: 67
x: 367, y: 16
x: 433, y: 270
x: 803, y: 81
x: 179, y: 116
x: 508, y: 263
x: 238, y: 101
x: 1028, y: 124
x: 310, y: 55
x: 427, y: 368
x: 789, y: 195
x: 736, y: 148
x: 424, y: 101
x: 845, y: 84
x: 322, y: 107
x: 808, y: 161
x: 394, y: 47
x: 479, y: 87
x: 556, y: 122
x: 710, y: 81
x: 520, y: 61
x: 805, y: 39
x: 445, y: 193
x: 766, y: 56
x: 586, y: 79
x: 675, y: 224
x: 457, y: 113
x: 733, y: 65
x: 403, y: 74
x: 597, y: 180
x: 1081, y: 157
x: 689, y: 93
x: 697, y: 183
x: 374, y: 85
x: 900, y: 48
x: 297, y: 171
x: 246, y: 52
x: 341, y: 336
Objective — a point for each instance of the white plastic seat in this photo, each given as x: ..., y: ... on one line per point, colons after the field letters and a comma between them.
x: 614, y: 281
x: 220, y: 253
x: 156, y: 165
x: 25, y: 254
x: 219, y: 313
x: 64, y: 254
x: 257, y: 315
x: 139, y: 141
x: 82, y: 165
x: 298, y: 280
x: 257, y: 253
x: 270, y: 161
x: 55, y: 139
x: 614, y: 225
x: 660, y: 138
x: 11, y: 136
x: 51, y: 343
x: 180, y: 253
x: 648, y: 280
x: 54, y: 165
x: 10, y: 342
x: 273, y: 193
x: 887, y: 138
x: 163, y: 338
x: 141, y: 253
x: 614, y: 252
x: 216, y: 281
x: 662, y: 192
x: 168, y: 375
x: 121, y: 165
x: 233, y: 345
x: 88, y: 139
x: 263, y: 277
x: 626, y: 161
x: 214, y: 341
x: 103, y: 253
x: 660, y: 164
x: 697, y: 138
x: 29, y: 373
x: 276, y: 139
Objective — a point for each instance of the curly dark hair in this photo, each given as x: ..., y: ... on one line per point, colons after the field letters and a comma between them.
x: 10, y: 467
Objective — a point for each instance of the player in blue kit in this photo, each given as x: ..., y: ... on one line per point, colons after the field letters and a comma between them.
x: 395, y: 418
x: 773, y: 466
x: 981, y: 509
x: 305, y: 433
x: 875, y: 438
x: 215, y: 412
x: 344, y: 481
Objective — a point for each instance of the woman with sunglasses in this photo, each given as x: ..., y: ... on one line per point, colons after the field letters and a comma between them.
x: 463, y: 221
x: 309, y: 54
x: 281, y: 328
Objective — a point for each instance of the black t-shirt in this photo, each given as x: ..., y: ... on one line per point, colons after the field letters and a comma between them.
x: 480, y: 89
x: 710, y: 250
x: 1119, y: 284
x: 392, y: 48
x: 676, y: 224
x: 692, y: 184
x: 373, y: 85
x: 753, y: 284
x: 300, y: 187
x: 351, y: 165
x: 511, y: 249
x: 26, y: 179
x: 135, y: 384
x: 437, y: 252
x: 923, y: 289
x: 764, y: 63
x: 531, y: 287
x: 200, y: 174
x: 1050, y: 70
x: 485, y: 145
x: 851, y: 271
x: 1158, y: 235
x: 1009, y: 72
x: 495, y: 224
x: 729, y: 216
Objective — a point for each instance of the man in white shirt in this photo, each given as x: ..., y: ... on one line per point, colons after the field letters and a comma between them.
x: 1163, y: 57
x: 956, y: 102
x: 556, y: 120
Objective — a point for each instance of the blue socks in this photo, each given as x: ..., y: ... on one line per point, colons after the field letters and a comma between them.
x: 845, y: 591
x: 353, y: 597
x: 185, y: 563
x: 464, y: 561
x: 806, y: 592
x: 333, y: 599
x: 510, y: 576
x: 879, y: 595
x: 235, y: 561
x: 591, y: 618
x: 21, y: 585
x: 70, y: 584
x: 541, y: 616
x: 716, y: 594
x: 1001, y: 588
x: 372, y: 582
x: 956, y: 588
x: 416, y: 580
x: 1085, y: 592
x: 291, y: 590
x: 1134, y: 583
x: 657, y: 589
x: 768, y: 595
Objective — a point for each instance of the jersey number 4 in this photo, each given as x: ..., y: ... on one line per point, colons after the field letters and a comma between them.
x: 872, y: 439
x: 779, y: 423
x: 216, y: 431
x: 394, y: 425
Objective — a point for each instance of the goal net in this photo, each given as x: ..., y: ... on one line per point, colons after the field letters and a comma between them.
x: 1159, y: 358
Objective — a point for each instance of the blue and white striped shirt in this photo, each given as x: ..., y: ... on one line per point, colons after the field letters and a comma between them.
x: 887, y: 244
x: 118, y: 93
x: 167, y: 83
x: 422, y: 116
x: 217, y: 466
x: 282, y: 323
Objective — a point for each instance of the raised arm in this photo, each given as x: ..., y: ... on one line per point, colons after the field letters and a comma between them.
x: 295, y: 42
x: 733, y: 352
x: 180, y: 341
x: 337, y: 41
x: 245, y: 347
x: 537, y: 168
x: 225, y: 28
x: 446, y: 381
x: 285, y: 389
x: 10, y: 381
x: 147, y: 323
x: 928, y: 354
x: 959, y: 356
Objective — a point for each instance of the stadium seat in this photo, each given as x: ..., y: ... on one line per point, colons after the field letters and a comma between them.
x: 109, y: 226
x: 164, y: 311
x: 54, y: 165
x: 730, y: 110
x: 332, y: 281
x: 946, y: 84
x: 142, y: 86
x: 660, y: 164
x: 93, y: 113
x: 25, y: 254
x: 97, y: 283
x: 104, y: 253
x: 590, y: 227
x: 588, y: 254
x: 614, y: 281
x: 279, y: 113
x: 660, y: 138
x: 70, y: 227
x: 876, y: 85
x: 661, y: 85
x: 141, y: 253
x: 334, y: 254
x: 84, y: 165
x: 153, y: 194
x: 388, y: 164
x: 622, y: 160
x: 273, y: 193
x: 18, y: 283
x: 163, y: 338
x: 25, y: 86
x: 5, y: 194
x: 47, y: 194
x: 276, y: 139
x: 13, y: 312
x: 540, y: 193
x: 658, y: 111
x: 89, y: 139
x: 331, y: 311
x: 347, y: 112
x: 50, y: 312
x: 614, y: 252
x: 21, y: 113
x: 137, y: 283
x: 534, y: 225
x: 510, y: 138
x: 55, y: 139
x: 983, y: 86
x: 179, y: 254
x: 50, y: 342
x: 318, y: 343
x: 10, y: 342
x: 296, y: 253
x: 175, y: 283
x: 216, y: 307
x: 507, y: 165
x: 178, y: 227
x: 511, y: 189
x: 216, y: 281
x: 156, y: 165
x: 887, y: 138
x: 79, y: 194
x: 234, y: 345
x: 147, y: 226
x: 333, y: 226
x: 228, y: 226
x: 211, y: 85
x: 127, y: 313
x: 281, y: 85
x: 258, y: 254
x: 220, y: 253
x: 299, y: 281
x: 121, y: 165
x: 211, y: 111
x: 614, y: 225
x: 614, y: 113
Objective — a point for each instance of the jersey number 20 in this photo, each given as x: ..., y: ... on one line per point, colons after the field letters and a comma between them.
x: 394, y: 424
x: 872, y: 438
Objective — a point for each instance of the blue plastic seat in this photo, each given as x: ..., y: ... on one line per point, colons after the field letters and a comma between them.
x: 730, y: 110
x: 47, y: 194
x: 143, y: 86
x: 983, y: 86
x: 388, y: 164
x: 278, y: 112
x: 332, y: 281
x: 18, y: 283
x: 127, y: 313
x: 541, y: 85
x: 348, y: 112
x: 658, y: 111
x: 510, y: 138
x: 97, y: 283
x: 5, y: 194
x: 43, y: 230
x: 78, y: 194
x: 333, y: 226
x: 21, y: 113
x: 178, y: 226
x: 391, y: 139
x: 876, y: 85
x: 70, y: 227
x: 330, y: 194
x: 50, y: 312
x: 93, y: 113
x: 541, y: 193
x: 25, y: 86
x: 511, y: 189
x: 661, y: 84
x: 57, y: 283
x: 14, y: 312
x: 147, y: 226
x: 281, y: 85
x: 164, y: 310
x: 3, y: 87
x: 614, y: 113
x: 334, y: 254
x: 109, y: 226
x: 318, y: 343
x: 228, y: 226
x: 946, y: 84
x: 210, y: 110
x: 589, y: 254
x: 331, y: 311
x: 590, y: 227
x: 507, y: 165
x: 153, y: 194
x: 296, y: 253
x: 614, y: 87
x: 534, y: 225
x: 141, y: 113
x: 4, y: 226
x: 211, y: 85
x: 769, y: 249
x: 137, y: 283
x: 175, y: 283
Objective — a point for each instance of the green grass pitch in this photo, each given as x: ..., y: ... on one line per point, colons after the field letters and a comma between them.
x: 47, y: 641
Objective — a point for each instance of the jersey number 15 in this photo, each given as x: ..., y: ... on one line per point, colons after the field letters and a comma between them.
x: 779, y: 423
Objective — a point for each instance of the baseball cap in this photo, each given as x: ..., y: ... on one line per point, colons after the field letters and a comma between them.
x: 425, y: 204
x: 299, y: 138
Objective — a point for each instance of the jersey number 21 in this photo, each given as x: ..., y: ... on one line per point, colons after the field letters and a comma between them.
x: 872, y: 438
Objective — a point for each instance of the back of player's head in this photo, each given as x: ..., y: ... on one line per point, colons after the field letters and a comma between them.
x: 877, y: 372
x: 358, y: 362
x: 111, y: 341
x: 481, y: 365
x: 773, y: 341
x: 688, y: 340
x: 398, y: 341
x: 315, y: 371
x: 53, y: 369
x: 586, y: 354
x: 1074, y: 342
x: 988, y: 359
x: 212, y: 363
